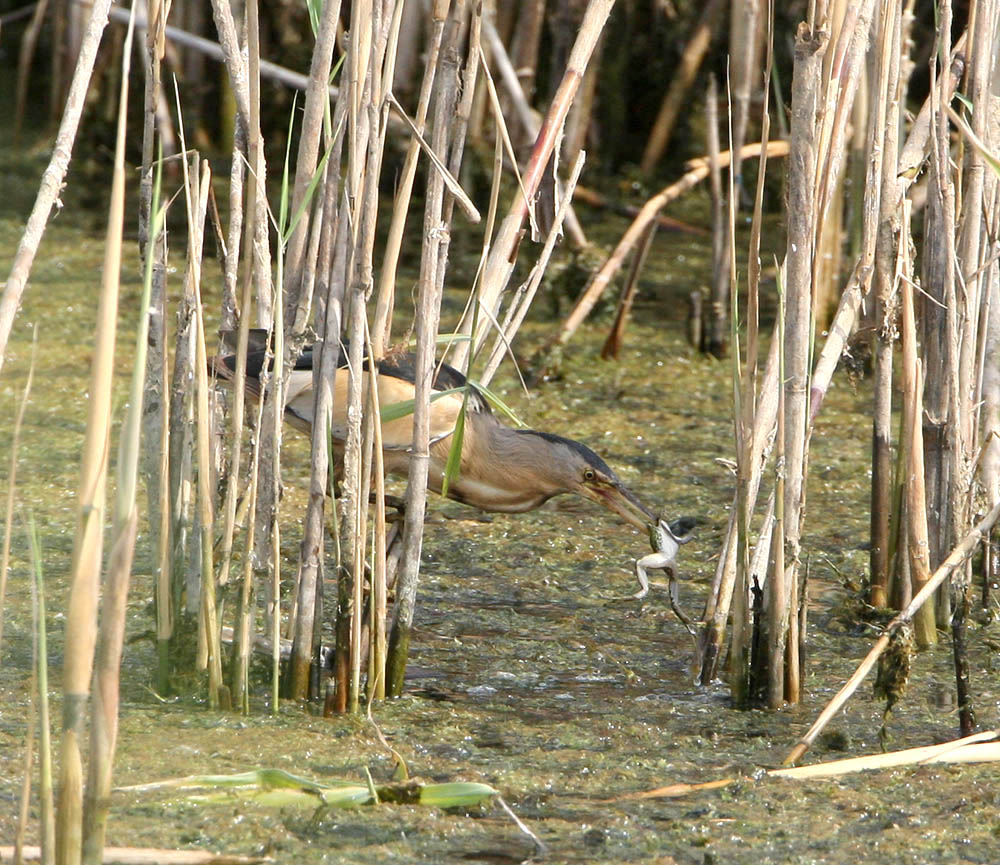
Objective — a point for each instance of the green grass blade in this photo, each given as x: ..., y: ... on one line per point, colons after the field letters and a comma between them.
x: 396, y: 410
x: 454, y: 463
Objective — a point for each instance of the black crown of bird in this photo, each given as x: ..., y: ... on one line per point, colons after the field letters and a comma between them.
x: 501, y: 468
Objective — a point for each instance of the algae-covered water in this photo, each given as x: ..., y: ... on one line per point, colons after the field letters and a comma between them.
x: 531, y: 669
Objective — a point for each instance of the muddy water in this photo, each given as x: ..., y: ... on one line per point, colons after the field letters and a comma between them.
x: 532, y: 669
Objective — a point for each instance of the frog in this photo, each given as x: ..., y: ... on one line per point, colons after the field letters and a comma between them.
x: 666, y: 539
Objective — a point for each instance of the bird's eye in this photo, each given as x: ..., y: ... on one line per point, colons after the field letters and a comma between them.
x: 588, y: 474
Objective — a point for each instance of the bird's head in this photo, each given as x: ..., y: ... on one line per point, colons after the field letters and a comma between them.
x: 577, y: 469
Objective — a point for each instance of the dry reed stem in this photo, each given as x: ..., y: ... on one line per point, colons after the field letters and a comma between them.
x: 912, y: 155
x: 697, y: 171
x: 913, y: 440
x: 55, y: 172
x: 955, y: 558
x: 884, y: 288
x: 315, y: 109
x: 81, y: 615
x: 974, y: 748
x: 718, y: 603
x: 427, y: 315
x: 503, y: 254
x: 522, y: 301
x: 382, y: 327
x: 40, y: 701
x: 12, y: 483
x: 526, y: 116
x: 245, y: 80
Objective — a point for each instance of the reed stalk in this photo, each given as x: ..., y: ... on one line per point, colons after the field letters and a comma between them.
x: 745, y: 48
x: 883, y: 288
x: 503, y: 253
x: 427, y: 315
x: 40, y: 674
x: 12, y: 484
x: 810, y: 47
x: 713, y: 330
x: 81, y: 616
x: 382, y: 327
x: 104, y: 723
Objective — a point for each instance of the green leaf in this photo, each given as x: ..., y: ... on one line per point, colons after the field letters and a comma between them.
x: 455, y: 794
x: 396, y: 410
x: 494, y: 400
x: 454, y: 463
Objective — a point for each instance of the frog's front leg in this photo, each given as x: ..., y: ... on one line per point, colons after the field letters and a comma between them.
x: 657, y: 561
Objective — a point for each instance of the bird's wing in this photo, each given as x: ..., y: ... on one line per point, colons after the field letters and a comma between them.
x: 397, y: 434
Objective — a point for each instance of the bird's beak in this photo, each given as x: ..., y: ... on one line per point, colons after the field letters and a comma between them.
x: 618, y: 498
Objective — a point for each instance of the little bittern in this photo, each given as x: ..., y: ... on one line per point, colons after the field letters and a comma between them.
x: 502, y: 469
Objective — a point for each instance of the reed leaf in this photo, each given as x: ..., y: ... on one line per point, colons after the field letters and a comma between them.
x: 397, y: 410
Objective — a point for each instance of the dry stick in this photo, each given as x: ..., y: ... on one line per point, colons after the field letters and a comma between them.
x: 12, y: 484
x: 694, y: 52
x: 955, y: 558
x: 55, y: 172
x: 697, y: 171
x: 504, y: 253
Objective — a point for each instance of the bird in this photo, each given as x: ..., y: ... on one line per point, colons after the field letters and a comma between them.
x: 502, y: 469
